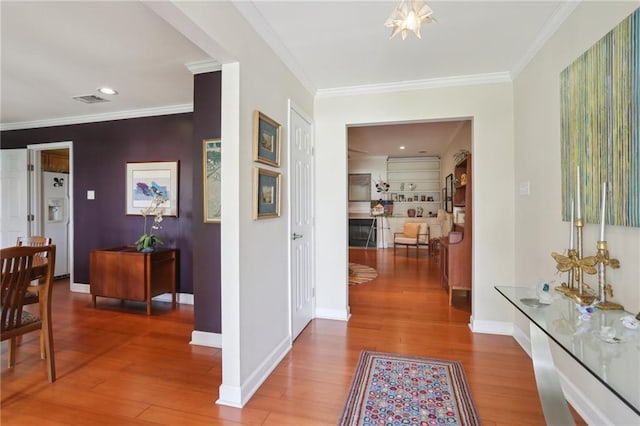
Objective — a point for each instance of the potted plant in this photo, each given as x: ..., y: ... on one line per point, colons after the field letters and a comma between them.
x: 148, y: 241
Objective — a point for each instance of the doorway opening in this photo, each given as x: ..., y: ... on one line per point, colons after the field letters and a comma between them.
x: 408, y: 163
x: 51, y: 201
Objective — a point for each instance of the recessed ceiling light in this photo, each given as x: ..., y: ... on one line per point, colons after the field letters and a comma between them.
x: 107, y: 91
x: 402, y: 147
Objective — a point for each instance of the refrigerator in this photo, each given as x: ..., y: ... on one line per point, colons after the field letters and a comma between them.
x: 55, y: 193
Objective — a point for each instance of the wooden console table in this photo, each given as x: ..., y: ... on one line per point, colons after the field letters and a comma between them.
x: 127, y: 274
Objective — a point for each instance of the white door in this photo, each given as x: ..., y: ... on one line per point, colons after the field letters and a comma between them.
x: 14, y: 184
x: 301, y: 190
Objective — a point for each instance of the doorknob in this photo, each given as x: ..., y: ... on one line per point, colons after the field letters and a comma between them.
x: 296, y: 236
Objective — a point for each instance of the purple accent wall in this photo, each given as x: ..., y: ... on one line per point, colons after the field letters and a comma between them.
x: 100, y: 153
x: 207, y: 108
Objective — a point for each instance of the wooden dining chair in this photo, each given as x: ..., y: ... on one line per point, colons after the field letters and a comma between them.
x: 34, y: 241
x: 21, y: 265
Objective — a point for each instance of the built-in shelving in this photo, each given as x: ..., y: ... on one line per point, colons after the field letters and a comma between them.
x: 414, y: 182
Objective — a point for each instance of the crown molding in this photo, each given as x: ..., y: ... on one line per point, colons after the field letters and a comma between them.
x: 260, y: 25
x: 549, y: 29
x: 433, y: 83
x: 201, y: 67
x: 92, y: 118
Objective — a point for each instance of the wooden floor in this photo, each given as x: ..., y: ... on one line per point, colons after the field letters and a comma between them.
x: 116, y: 366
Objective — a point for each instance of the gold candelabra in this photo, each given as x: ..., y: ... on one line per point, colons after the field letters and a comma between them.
x: 576, y: 265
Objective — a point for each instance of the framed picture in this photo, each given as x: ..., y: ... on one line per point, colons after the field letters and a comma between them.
x: 144, y: 180
x: 449, y: 193
x: 410, y: 199
x: 423, y: 198
x: 400, y: 197
x: 266, y: 140
x: 266, y: 193
x: 394, y: 196
x: 211, y: 169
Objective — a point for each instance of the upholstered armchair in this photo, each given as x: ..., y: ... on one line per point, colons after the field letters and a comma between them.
x: 413, y: 235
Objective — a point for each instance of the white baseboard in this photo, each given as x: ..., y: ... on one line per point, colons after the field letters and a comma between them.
x: 181, y: 298
x: 204, y: 338
x: 238, y: 396
x: 332, y: 314
x: 491, y: 327
x: 80, y: 288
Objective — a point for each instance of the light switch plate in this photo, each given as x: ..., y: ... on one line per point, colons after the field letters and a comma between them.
x: 524, y: 188
x: 91, y: 194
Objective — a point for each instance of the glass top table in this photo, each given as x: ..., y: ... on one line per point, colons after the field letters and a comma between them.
x: 602, y: 344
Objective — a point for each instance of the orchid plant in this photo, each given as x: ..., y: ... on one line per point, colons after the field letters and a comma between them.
x: 148, y: 241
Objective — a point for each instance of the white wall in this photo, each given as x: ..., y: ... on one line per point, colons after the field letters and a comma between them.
x: 377, y: 167
x: 538, y: 224
x: 255, y: 286
x: 491, y: 108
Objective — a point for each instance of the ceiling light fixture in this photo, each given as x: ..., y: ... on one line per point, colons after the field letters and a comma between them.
x: 402, y: 147
x: 107, y: 91
x: 408, y: 16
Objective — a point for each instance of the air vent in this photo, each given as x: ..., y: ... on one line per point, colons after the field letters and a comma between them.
x: 90, y: 99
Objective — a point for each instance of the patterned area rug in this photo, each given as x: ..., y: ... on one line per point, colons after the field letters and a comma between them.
x: 359, y: 274
x: 390, y: 389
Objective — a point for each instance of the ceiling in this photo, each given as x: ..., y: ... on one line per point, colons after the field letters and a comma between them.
x: 52, y: 51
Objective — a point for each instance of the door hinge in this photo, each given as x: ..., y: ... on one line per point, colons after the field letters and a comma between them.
x: 30, y: 218
x: 30, y: 167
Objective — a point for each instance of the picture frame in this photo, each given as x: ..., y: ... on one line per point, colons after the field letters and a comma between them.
x: 266, y: 193
x: 211, y: 180
x: 266, y: 140
x: 401, y: 198
x: 449, y: 193
x: 144, y: 179
x: 423, y: 198
x: 394, y: 196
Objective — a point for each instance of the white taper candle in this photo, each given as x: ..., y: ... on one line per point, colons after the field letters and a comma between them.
x: 603, y: 204
x: 572, y: 226
x: 578, y: 198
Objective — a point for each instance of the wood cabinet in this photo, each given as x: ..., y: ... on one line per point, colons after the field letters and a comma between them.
x: 127, y: 274
x: 55, y: 160
x: 455, y: 255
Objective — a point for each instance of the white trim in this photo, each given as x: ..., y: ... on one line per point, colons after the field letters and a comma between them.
x: 332, y: 314
x: 230, y: 396
x: 204, y: 338
x: 181, y: 298
x: 238, y: 396
x: 491, y: 327
x: 249, y: 11
x: 432, y: 83
x: 550, y: 27
x: 80, y: 288
x: 92, y: 118
x: 201, y: 67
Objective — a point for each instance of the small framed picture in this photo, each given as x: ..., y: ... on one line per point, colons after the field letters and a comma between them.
x: 211, y: 169
x: 148, y: 180
x: 409, y: 199
x: 400, y: 197
x: 266, y: 193
x: 394, y: 196
x: 423, y: 198
x: 266, y: 140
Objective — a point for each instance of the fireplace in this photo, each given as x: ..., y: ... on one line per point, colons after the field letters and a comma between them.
x: 361, y: 230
